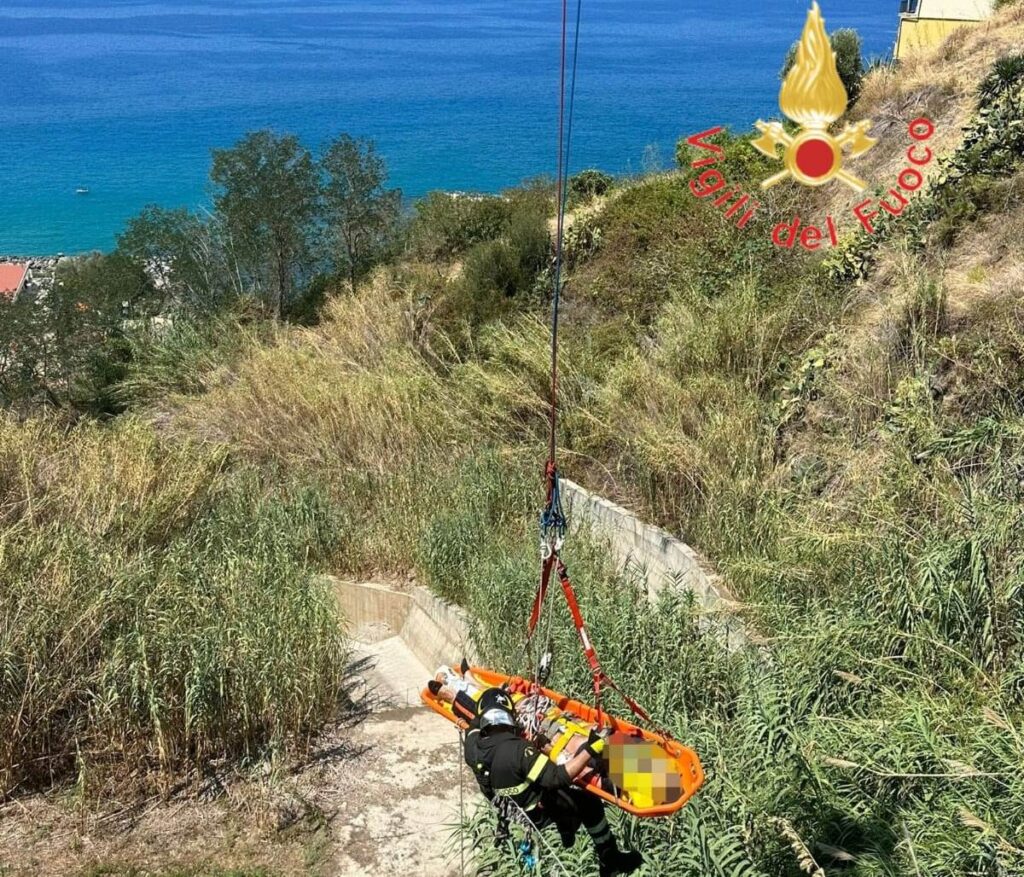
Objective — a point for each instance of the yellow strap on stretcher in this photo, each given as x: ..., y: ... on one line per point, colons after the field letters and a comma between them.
x: 569, y: 730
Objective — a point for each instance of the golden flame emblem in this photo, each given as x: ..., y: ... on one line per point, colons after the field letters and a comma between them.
x: 813, y: 96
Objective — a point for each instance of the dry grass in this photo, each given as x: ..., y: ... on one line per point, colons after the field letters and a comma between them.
x: 157, y: 611
x: 357, y: 395
x: 943, y: 81
x: 47, y: 479
x: 352, y: 394
x: 985, y: 266
x: 941, y: 85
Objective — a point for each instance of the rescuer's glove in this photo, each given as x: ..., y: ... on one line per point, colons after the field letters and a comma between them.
x: 595, y: 744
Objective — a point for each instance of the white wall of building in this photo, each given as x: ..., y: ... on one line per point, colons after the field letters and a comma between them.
x: 960, y: 10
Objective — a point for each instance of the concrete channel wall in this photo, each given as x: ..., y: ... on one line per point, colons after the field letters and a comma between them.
x: 437, y: 632
x: 434, y: 631
x: 664, y: 560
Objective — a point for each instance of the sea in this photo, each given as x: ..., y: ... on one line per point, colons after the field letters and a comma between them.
x: 126, y: 99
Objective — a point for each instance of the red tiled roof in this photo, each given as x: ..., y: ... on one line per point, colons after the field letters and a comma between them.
x: 12, y: 274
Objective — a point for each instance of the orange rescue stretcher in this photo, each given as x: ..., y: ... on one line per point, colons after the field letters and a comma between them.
x: 655, y: 774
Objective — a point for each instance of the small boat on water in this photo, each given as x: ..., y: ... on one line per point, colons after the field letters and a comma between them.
x: 82, y: 190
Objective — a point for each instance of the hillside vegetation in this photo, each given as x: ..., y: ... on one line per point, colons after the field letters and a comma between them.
x: 841, y: 434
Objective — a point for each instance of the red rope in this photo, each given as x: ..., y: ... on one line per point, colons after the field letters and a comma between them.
x: 551, y: 559
x: 551, y: 472
x: 600, y: 677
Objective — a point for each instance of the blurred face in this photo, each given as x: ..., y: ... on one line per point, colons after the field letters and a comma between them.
x: 642, y: 770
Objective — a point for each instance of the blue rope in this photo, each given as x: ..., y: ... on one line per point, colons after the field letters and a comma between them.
x: 572, y: 108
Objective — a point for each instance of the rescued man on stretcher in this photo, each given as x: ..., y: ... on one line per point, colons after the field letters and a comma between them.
x: 526, y: 756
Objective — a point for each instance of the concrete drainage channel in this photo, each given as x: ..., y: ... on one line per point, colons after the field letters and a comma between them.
x: 408, y: 779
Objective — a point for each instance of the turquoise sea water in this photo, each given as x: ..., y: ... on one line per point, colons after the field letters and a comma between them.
x: 127, y: 98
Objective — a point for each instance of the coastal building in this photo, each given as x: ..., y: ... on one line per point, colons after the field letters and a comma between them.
x: 926, y: 23
x: 13, y: 277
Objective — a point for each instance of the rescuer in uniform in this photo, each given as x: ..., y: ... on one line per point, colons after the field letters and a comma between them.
x: 508, y: 768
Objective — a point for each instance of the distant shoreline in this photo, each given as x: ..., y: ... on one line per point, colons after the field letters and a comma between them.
x: 456, y: 95
x: 46, y: 261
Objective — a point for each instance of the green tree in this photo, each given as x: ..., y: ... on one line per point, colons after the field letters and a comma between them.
x: 95, y: 301
x: 21, y: 335
x: 846, y: 43
x: 67, y: 347
x: 361, y: 213
x: 268, y: 197
x: 185, y: 253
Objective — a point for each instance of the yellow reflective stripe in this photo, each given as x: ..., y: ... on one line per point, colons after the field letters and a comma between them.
x: 537, y: 769
x: 513, y: 790
x: 540, y: 762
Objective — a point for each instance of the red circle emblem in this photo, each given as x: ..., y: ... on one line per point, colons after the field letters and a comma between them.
x: 815, y: 158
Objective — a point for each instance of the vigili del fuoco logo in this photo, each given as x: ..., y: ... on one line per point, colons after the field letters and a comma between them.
x: 814, y: 98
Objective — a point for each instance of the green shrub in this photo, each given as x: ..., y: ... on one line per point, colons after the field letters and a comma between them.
x: 740, y: 163
x: 496, y: 272
x: 447, y: 224
x: 589, y: 184
x: 582, y: 240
